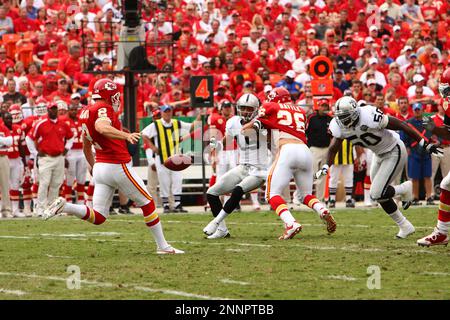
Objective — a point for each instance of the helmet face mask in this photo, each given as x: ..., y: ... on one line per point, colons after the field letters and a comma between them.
x: 247, y: 112
x: 346, y: 112
x: 247, y: 106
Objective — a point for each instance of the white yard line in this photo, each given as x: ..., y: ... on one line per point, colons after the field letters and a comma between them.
x: 442, y: 274
x: 237, y: 250
x: 113, y: 285
x: 14, y: 292
x: 60, y: 257
x: 401, y: 249
x: 341, y: 277
x: 229, y: 281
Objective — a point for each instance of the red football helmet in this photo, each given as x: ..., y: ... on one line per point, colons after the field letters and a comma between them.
x: 16, y: 111
x: 280, y: 95
x: 444, y: 84
x: 107, y: 90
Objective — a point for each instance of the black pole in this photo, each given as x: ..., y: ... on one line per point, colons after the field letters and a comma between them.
x: 203, y: 162
x: 129, y: 99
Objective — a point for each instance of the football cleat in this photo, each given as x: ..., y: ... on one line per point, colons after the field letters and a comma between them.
x: 166, y: 209
x: 434, y: 239
x: 219, y: 234
x: 406, y: 228
x: 328, y: 219
x: 211, y: 228
x: 407, y: 196
x: 180, y: 209
x: 169, y: 250
x: 54, y: 208
x: 19, y: 214
x: 350, y: 203
x: 332, y: 204
x: 291, y: 231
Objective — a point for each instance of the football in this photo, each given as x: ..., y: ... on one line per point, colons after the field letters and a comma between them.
x: 178, y: 162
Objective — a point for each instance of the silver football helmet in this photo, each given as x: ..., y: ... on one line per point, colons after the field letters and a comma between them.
x: 346, y: 111
x: 247, y: 106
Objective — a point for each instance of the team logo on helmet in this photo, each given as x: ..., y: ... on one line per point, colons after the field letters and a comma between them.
x: 110, y: 86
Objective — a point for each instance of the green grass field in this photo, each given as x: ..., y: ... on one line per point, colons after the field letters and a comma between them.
x: 118, y: 261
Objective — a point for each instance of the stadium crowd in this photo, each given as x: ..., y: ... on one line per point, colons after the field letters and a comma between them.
x: 387, y: 53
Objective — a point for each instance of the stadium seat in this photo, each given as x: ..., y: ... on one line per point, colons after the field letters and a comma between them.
x: 25, y: 53
x: 10, y: 41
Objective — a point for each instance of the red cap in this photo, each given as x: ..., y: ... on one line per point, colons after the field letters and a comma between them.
x: 361, y: 11
x: 239, y: 60
x: 194, y: 56
x: 48, y: 21
x: 385, y: 36
x: 235, y: 13
x: 52, y: 42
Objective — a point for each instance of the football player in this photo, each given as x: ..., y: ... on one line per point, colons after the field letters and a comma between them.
x: 440, y: 234
x: 369, y: 127
x: 16, y: 156
x: 111, y: 167
x: 293, y: 159
x: 77, y: 163
x: 247, y: 176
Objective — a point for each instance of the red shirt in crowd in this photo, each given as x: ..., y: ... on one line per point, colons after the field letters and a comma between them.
x: 69, y: 66
x: 50, y: 136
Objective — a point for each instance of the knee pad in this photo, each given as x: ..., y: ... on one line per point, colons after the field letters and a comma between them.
x: 234, y: 200
x: 386, y: 194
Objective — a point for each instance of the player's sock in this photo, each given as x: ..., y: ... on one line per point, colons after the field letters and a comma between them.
x: 80, y: 193
x: 177, y: 199
x: 214, y: 203
x: 89, y: 194
x: 391, y: 209
x: 14, y: 195
x: 67, y: 193
x: 398, y: 217
x: 367, y: 184
x: 34, y: 192
x: 254, y: 197
x: 85, y: 213
x: 165, y: 202
x: 348, y: 193
x: 278, y: 204
x: 444, y: 211
x: 212, y: 180
x: 332, y: 192
x: 314, y: 203
x: 26, y: 196
x: 151, y: 219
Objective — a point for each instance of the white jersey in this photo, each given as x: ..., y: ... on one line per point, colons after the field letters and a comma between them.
x: 253, y: 148
x: 370, y: 131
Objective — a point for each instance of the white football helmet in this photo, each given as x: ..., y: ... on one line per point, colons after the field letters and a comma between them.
x: 247, y: 106
x: 346, y: 111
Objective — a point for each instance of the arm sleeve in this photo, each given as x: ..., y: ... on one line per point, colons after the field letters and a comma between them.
x: 69, y: 144
x: 150, y: 130
x: 31, y: 146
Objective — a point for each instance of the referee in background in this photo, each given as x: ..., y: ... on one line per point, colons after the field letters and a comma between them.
x: 343, y: 165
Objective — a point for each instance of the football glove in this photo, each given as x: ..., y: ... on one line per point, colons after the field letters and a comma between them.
x: 322, y: 172
x: 428, y: 123
x: 431, y: 148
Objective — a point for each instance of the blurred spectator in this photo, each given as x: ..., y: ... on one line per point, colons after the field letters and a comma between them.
x: 419, y: 161
x: 290, y: 84
x: 6, y: 23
